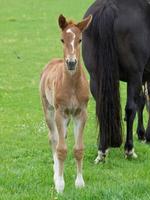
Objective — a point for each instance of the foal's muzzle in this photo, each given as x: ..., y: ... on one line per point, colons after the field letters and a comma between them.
x: 71, y: 63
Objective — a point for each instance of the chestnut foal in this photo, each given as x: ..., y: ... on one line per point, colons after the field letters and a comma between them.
x: 65, y: 93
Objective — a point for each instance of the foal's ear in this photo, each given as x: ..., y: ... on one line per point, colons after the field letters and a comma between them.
x: 62, y: 22
x: 84, y: 23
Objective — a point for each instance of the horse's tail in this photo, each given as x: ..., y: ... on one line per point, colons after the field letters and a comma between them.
x: 108, y: 108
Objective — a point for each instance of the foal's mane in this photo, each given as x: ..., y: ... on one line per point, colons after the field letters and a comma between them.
x: 71, y: 23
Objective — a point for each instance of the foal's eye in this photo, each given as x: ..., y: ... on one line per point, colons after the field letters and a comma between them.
x: 80, y: 41
x: 62, y: 40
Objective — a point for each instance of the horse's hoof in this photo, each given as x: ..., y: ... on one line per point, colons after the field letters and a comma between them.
x: 130, y: 154
x: 143, y: 141
x: 101, y: 157
x: 99, y: 160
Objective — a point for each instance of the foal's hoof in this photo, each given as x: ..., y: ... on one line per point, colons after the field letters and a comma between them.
x: 59, y: 185
x: 79, y: 182
x: 130, y: 154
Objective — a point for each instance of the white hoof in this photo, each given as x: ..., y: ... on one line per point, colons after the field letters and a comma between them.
x: 59, y: 184
x: 143, y: 142
x: 101, y: 157
x: 130, y: 154
x: 134, y: 155
x: 79, y: 182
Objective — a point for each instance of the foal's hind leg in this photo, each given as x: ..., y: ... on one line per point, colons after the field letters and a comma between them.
x: 79, y: 123
x: 140, y: 128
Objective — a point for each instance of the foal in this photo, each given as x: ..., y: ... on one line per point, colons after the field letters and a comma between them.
x: 65, y: 93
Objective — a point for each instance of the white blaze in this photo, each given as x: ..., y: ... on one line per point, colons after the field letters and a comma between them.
x: 72, y: 42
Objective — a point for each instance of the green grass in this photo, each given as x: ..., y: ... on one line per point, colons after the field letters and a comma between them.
x: 29, y: 38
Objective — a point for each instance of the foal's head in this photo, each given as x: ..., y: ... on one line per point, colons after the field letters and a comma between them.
x: 71, y: 39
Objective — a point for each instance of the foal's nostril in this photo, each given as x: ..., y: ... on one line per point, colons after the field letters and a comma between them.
x: 71, y: 63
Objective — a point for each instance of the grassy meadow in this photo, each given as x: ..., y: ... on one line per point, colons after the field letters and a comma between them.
x: 29, y: 38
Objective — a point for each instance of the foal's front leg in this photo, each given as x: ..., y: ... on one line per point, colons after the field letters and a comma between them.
x: 61, y: 149
x: 79, y: 123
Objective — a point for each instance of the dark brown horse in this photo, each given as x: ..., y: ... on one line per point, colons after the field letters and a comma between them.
x: 116, y: 46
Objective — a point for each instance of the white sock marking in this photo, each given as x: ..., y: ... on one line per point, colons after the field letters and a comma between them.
x: 79, y: 182
x: 60, y: 184
x: 131, y: 154
x: 58, y: 180
x: 101, y: 156
x: 55, y: 166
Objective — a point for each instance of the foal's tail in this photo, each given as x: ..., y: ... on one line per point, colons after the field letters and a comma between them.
x: 108, y: 108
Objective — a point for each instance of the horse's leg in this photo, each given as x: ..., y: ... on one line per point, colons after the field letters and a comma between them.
x: 148, y: 109
x: 90, y: 64
x: 61, y: 149
x: 79, y: 123
x: 133, y: 91
x: 140, y: 127
x: 101, y: 154
x: 103, y: 149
